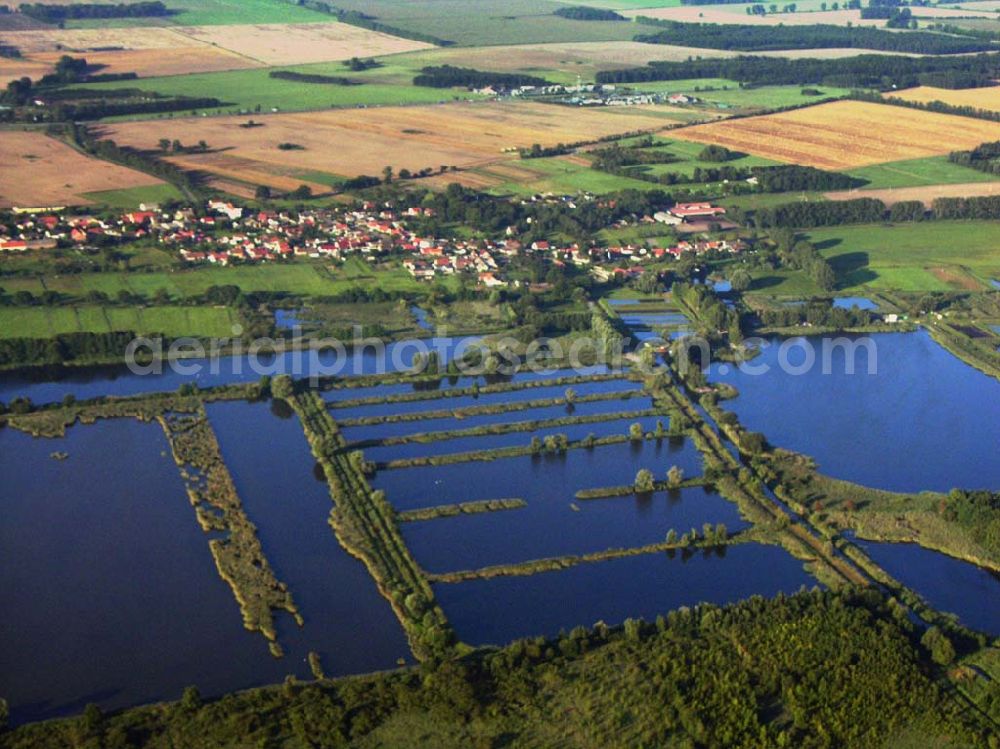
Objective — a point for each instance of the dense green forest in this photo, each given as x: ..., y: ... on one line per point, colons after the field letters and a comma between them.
x: 985, y: 157
x: 817, y: 669
x: 759, y: 38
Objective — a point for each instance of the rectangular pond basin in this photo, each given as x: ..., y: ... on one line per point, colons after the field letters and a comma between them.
x: 502, y: 609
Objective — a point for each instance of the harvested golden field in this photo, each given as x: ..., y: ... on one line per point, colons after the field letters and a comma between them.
x: 980, y: 98
x: 845, y: 134
x: 73, y: 41
x: 297, y: 43
x: 349, y: 142
x: 925, y: 193
x: 41, y: 171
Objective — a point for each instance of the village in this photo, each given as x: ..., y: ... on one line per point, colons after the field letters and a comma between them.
x: 229, y: 234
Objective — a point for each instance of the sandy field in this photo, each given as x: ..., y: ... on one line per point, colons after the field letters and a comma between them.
x: 349, y: 142
x: 980, y: 98
x: 299, y: 43
x: 41, y: 171
x: 845, y: 134
x: 925, y: 194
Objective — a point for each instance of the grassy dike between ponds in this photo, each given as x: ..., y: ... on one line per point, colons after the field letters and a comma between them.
x: 460, y: 508
x: 554, y: 564
x: 491, y: 408
x: 508, y: 428
x: 366, y: 526
x: 238, y: 555
x: 431, y: 394
x: 986, y: 360
x: 740, y: 485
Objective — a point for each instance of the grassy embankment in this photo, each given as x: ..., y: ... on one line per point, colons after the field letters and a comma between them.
x: 366, y: 526
x: 238, y: 554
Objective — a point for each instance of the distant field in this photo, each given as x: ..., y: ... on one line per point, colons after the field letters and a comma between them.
x: 767, y: 97
x: 845, y: 134
x: 42, y: 171
x: 245, y: 90
x: 934, y: 170
x: 927, y: 194
x: 492, y: 22
x: 215, y: 12
x: 290, y: 44
x: 979, y: 98
x: 299, y: 278
x: 348, y: 142
x: 173, y: 322
x: 729, y: 14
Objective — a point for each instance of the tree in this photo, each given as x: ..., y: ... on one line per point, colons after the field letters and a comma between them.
x: 674, y: 477
x: 570, y: 396
x: 191, y: 699
x: 202, y: 145
x: 282, y: 387
x: 302, y: 192
x: 4, y: 714
x: 176, y: 146
x: 92, y: 717
x: 263, y: 192
x: 164, y: 144
x: 635, y: 432
x: 740, y: 279
x: 940, y: 647
x: 671, y: 536
x: 387, y: 174
x: 644, y: 481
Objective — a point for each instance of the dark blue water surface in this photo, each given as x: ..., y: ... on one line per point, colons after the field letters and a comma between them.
x: 555, y: 526
x: 847, y: 302
x: 109, y: 591
x: 501, y: 609
x: 91, y: 382
x: 925, y: 420
x: 347, y: 622
x: 946, y: 583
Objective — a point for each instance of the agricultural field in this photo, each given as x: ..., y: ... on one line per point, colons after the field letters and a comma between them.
x: 289, y: 44
x: 926, y: 194
x: 493, y: 22
x: 215, y: 13
x: 304, y: 279
x: 246, y: 90
x: 360, y: 141
x: 933, y: 256
x: 845, y: 134
x: 42, y: 171
x: 736, y: 14
x: 934, y: 170
x: 980, y: 98
x: 173, y: 322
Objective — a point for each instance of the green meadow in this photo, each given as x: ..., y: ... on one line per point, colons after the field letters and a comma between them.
x: 934, y: 170
x: 46, y: 322
x: 923, y: 256
x: 215, y: 13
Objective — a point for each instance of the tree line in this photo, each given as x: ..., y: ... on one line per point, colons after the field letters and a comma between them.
x: 582, y: 13
x: 881, y: 72
x: 760, y: 38
x: 985, y: 157
x: 449, y: 76
x: 291, y: 75
x: 807, y: 215
x: 59, y: 13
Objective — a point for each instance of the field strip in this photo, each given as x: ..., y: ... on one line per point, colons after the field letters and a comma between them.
x: 926, y: 194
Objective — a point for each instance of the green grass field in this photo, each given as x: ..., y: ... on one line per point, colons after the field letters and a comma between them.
x: 926, y: 256
x: 248, y: 89
x: 173, y: 322
x: 493, y: 22
x: 935, y: 170
x: 560, y: 176
x: 132, y: 197
x: 215, y: 13
x: 296, y: 278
